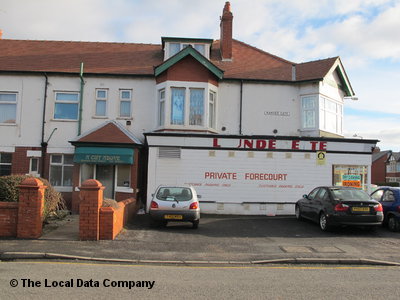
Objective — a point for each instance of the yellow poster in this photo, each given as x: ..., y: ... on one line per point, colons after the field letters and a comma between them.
x: 321, y: 158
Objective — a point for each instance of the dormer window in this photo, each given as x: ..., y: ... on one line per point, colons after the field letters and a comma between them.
x: 172, y: 46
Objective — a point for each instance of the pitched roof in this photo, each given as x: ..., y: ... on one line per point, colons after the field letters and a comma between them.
x: 110, y: 132
x: 140, y: 59
x: 378, y: 155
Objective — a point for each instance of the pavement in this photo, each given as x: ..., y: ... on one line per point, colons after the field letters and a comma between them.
x: 220, y: 239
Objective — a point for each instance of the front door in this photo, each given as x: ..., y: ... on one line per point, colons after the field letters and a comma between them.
x: 105, y: 174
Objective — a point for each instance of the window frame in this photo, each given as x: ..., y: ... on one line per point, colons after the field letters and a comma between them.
x: 161, y: 107
x: 63, y: 165
x: 212, y: 117
x: 324, y: 112
x: 75, y: 102
x: 102, y: 99
x: 123, y: 100
x: 6, y: 163
x: 9, y: 102
x: 304, y: 111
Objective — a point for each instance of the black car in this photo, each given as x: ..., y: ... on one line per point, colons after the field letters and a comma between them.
x: 336, y: 206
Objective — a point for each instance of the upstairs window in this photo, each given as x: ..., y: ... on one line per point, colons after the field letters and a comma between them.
x: 212, y: 110
x: 177, y: 106
x: 66, y: 106
x: 196, y: 110
x: 161, y: 107
x: 101, y: 103
x: 331, y: 115
x: 174, y: 48
x: 125, y: 98
x: 308, y: 106
x: 8, y: 108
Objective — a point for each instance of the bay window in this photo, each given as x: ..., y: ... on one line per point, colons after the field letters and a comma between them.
x: 161, y: 107
x: 211, y: 109
x: 196, y: 111
x: 308, y: 105
x: 177, y: 106
x: 330, y: 115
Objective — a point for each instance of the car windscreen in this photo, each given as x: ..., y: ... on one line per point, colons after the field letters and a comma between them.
x: 174, y: 194
x: 350, y: 194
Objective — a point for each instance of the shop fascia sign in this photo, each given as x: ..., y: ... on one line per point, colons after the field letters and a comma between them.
x: 270, y: 144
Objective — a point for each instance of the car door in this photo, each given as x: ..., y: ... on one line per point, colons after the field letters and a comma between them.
x: 388, y: 201
x: 378, y: 196
x: 308, y: 203
x: 318, y: 203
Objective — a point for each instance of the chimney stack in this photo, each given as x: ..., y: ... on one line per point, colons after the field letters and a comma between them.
x: 226, y: 32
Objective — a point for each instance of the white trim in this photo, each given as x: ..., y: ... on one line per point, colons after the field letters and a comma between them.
x: 33, y: 153
x: 7, y: 149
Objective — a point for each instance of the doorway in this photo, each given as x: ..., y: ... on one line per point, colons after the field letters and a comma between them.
x: 106, y: 175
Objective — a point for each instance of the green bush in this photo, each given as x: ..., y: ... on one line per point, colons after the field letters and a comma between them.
x: 9, y: 192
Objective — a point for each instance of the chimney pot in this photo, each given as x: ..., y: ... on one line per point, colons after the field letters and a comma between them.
x: 1, y: 34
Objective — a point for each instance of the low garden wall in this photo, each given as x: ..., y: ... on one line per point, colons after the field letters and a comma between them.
x: 101, y: 223
x: 23, y: 219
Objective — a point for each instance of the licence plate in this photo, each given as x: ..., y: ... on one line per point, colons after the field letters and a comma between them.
x: 173, y: 217
x: 360, y: 209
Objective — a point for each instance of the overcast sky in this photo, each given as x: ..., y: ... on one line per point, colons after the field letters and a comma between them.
x: 364, y: 33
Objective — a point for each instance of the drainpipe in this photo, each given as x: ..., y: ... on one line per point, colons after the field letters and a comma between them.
x: 241, y: 107
x: 43, y: 144
x: 80, y: 100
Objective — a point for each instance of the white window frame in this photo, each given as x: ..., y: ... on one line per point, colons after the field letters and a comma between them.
x: 183, y: 45
x: 34, y: 161
x: 63, y: 165
x: 12, y: 103
x: 304, y: 112
x: 122, y: 100
x: 161, y: 107
x: 212, y: 105
x: 324, y: 112
x: 76, y: 102
x: 101, y: 99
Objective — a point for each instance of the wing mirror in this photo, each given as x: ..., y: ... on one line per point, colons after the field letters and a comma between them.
x: 305, y: 196
x: 199, y: 196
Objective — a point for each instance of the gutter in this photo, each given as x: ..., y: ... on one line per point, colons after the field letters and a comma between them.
x: 43, y: 144
x: 80, y: 100
x: 241, y: 107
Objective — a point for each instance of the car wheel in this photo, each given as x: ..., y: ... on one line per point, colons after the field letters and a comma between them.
x: 195, y: 224
x: 393, y: 224
x: 323, y: 222
x: 298, y: 213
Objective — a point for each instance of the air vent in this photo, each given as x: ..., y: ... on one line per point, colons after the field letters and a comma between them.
x: 169, y: 152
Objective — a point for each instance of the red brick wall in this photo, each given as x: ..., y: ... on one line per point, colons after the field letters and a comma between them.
x: 378, y: 170
x: 8, y: 218
x: 20, y: 162
x: 23, y: 219
x: 112, y: 220
x: 188, y: 69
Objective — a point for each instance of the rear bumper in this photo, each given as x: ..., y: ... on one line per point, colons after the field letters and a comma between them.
x: 356, y: 220
x: 187, y: 216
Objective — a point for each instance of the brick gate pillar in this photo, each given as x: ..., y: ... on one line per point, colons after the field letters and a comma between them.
x: 30, y: 208
x: 91, y: 196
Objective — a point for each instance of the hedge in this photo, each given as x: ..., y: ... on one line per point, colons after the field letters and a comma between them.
x: 9, y: 192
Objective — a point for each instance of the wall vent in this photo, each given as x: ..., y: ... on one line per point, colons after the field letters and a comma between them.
x: 169, y: 152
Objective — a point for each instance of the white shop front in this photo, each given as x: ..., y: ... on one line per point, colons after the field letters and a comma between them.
x: 255, y: 175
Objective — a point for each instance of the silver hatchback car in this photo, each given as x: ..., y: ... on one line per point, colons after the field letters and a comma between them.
x: 175, y: 204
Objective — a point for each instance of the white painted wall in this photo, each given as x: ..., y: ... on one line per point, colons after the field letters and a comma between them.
x: 27, y: 131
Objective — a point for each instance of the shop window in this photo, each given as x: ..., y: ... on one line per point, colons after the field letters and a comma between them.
x: 196, y: 109
x: 212, y: 109
x: 350, y: 175
x: 161, y: 107
x: 125, y: 103
x: 177, y: 106
x: 8, y: 108
x: 61, y: 166
x: 5, y: 164
x: 123, y: 175
x: 308, y: 105
x: 66, y: 106
x: 101, y: 103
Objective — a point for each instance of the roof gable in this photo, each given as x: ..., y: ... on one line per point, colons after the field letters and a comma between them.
x: 196, y: 55
x: 110, y: 132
